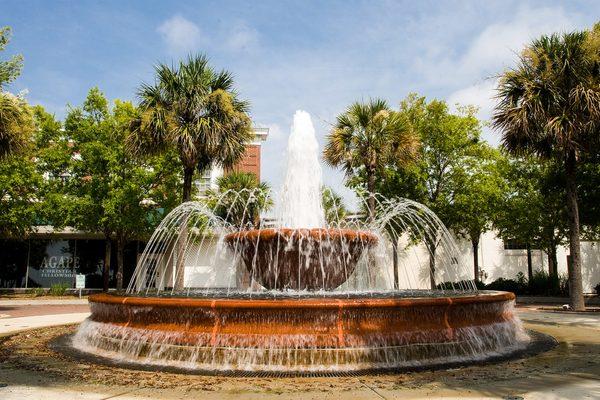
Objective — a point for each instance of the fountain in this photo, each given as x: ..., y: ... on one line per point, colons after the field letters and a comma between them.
x: 300, y: 294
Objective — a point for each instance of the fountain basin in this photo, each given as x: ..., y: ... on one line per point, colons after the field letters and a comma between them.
x: 301, y: 259
x: 303, y: 333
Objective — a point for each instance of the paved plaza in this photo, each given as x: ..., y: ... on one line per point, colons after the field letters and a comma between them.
x: 569, y: 371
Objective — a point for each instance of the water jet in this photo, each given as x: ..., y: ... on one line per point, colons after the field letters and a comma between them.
x: 302, y: 295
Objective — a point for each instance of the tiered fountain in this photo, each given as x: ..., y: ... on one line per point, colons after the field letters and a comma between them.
x: 303, y: 295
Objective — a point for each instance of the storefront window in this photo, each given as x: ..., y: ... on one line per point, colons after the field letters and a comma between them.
x: 47, y: 262
x: 13, y: 263
x: 52, y: 262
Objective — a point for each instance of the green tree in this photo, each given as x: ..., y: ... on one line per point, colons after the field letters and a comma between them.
x: 240, y: 199
x: 478, y: 189
x: 532, y: 210
x: 449, y: 141
x: 333, y: 206
x: 105, y: 185
x: 365, y: 139
x: 549, y: 105
x: 195, y: 110
x: 16, y: 119
x: 19, y: 205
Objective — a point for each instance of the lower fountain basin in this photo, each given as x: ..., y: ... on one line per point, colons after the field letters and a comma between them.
x: 303, y: 334
x: 301, y: 259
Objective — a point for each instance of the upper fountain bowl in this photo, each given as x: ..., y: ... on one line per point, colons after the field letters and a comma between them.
x: 301, y: 259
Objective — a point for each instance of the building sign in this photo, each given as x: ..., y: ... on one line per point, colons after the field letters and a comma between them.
x: 53, y: 262
x: 79, y: 281
x: 59, y: 267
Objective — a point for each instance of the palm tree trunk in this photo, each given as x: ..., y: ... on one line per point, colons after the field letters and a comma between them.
x: 575, y: 281
x: 371, y: 200
x: 475, y: 243
x: 395, y: 256
x: 188, y: 175
x: 106, y: 267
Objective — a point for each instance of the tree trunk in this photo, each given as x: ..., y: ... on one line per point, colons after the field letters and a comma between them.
x: 180, y: 262
x: 575, y: 281
x: 529, y: 264
x: 371, y: 199
x: 395, y: 256
x: 432, y: 250
x: 120, y: 250
x: 188, y: 175
x: 106, y: 267
x: 475, y: 244
x: 552, y: 261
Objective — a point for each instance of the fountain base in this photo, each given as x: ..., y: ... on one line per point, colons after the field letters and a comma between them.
x: 302, y: 334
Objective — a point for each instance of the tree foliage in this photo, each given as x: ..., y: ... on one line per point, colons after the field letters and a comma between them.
x: 16, y: 119
x: 103, y: 187
x: 366, y: 138
x: 195, y: 110
x: 549, y: 106
x: 240, y: 199
x: 333, y: 206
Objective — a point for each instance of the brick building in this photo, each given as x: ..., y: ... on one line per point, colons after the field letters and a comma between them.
x: 249, y: 163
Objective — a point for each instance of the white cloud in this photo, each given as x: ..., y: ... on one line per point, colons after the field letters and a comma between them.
x: 180, y: 34
x: 275, y: 131
x: 242, y: 37
x: 480, y: 95
x: 495, y: 47
x: 493, y: 50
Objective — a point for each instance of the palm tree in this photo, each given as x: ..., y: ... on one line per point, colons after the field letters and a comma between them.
x: 549, y: 105
x: 333, y: 205
x: 240, y: 199
x: 195, y: 110
x: 16, y: 118
x: 16, y: 124
x: 366, y: 138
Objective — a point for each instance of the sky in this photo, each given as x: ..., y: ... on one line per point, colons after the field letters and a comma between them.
x: 318, y: 56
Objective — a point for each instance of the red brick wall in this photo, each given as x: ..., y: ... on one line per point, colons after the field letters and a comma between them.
x: 250, y: 162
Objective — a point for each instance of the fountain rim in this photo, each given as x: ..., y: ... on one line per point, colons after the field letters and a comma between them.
x: 299, y: 303
x: 314, y: 233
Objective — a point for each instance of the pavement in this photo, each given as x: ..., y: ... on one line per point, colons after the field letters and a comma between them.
x: 19, y: 315
x: 573, y: 330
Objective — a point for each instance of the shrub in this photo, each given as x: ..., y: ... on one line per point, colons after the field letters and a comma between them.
x: 597, y: 289
x: 58, y: 289
x: 543, y: 284
x: 507, y: 285
x: 563, y: 285
x: 38, y: 291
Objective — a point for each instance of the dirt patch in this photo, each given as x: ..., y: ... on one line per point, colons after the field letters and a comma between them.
x: 30, y: 354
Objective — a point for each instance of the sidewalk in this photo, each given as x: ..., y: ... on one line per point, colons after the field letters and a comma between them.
x: 13, y: 325
x: 22, y: 314
x: 41, y: 301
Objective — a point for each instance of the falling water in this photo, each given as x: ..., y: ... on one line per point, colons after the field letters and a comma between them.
x: 300, y: 203
x: 389, y: 309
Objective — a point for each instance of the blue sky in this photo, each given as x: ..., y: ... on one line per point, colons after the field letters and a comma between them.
x: 316, y: 56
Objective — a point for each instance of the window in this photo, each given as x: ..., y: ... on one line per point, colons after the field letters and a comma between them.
x: 513, y: 244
